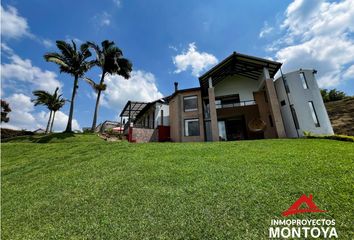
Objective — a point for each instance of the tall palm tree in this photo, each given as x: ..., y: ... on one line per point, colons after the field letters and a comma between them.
x: 110, y: 59
x: 74, y: 62
x: 57, y: 103
x: 52, y: 101
x: 43, y: 98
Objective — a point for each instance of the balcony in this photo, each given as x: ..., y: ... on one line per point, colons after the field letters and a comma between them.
x: 219, y: 105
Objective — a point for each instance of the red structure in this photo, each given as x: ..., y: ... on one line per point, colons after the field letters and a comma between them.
x: 164, y: 133
x: 295, y: 208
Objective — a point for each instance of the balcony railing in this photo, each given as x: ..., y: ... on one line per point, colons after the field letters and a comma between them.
x: 237, y: 104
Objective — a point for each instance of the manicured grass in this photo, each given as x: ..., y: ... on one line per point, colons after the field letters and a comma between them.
x: 80, y: 187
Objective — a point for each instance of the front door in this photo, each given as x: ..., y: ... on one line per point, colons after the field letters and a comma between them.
x: 236, y: 129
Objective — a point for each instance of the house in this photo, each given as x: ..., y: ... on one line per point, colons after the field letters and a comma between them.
x: 147, y: 122
x: 237, y: 99
x: 108, y: 125
x: 39, y: 131
x: 301, y: 104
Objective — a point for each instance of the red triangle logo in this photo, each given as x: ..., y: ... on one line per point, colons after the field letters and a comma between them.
x: 295, y: 208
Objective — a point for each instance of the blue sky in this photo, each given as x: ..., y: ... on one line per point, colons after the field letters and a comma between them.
x: 166, y: 41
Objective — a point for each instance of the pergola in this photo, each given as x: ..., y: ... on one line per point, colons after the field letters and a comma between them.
x: 132, y: 109
x: 238, y: 64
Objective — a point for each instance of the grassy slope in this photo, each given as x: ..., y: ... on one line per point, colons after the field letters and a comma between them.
x: 341, y: 114
x: 81, y: 187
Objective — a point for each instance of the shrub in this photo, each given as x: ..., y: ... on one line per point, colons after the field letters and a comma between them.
x: 10, y: 133
x: 333, y: 137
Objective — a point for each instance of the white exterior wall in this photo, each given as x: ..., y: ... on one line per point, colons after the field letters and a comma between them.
x: 237, y: 85
x: 299, y: 98
x: 166, y: 114
x: 153, y: 115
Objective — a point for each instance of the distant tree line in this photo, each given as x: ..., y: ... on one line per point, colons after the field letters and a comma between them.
x: 332, y: 95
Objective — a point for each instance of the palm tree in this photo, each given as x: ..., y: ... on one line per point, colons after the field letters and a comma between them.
x: 57, y: 103
x: 72, y: 61
x: 52, y: 101
x: 110, y: 59
x: 43, y: 98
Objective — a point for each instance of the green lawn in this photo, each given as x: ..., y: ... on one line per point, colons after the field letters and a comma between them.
x: 80, y: 187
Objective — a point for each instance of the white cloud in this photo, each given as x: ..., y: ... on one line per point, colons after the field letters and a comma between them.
x: 13, y: 25
x: 140, y: 87
x: 118, y: 3
x: 265, y: 30
x: 102, y: 19
x: 349, y: 73
x: 173, y: 48
x: 192, y: 59
x: 317, y: 35
x: 47, y: 43
x: 22, y: 70
x: 23, y: 115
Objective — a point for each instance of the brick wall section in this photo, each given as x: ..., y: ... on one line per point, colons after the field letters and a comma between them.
x: 142, y: 135
x: 178, y: 116
x: 264, y: 112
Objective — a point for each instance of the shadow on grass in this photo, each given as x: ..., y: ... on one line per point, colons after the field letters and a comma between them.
x: 50, y: 137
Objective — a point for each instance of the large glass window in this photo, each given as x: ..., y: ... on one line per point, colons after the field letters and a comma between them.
x: 313, y: 114
x: 303, y: 80
x: 191, y: 127
x: 293, y: 113
x: 228, y: 101
x: 190, y: 103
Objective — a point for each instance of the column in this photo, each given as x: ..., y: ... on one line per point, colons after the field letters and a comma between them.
x: 213, y: 115
x: 274, y: 104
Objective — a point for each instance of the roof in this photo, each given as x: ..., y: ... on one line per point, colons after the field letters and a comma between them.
x: 239, y: 64
x: 148, y: 105
x: 132, y: 109
x: 182, y: 91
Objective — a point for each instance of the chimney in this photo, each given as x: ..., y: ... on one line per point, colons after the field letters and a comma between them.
x: 176, y: 86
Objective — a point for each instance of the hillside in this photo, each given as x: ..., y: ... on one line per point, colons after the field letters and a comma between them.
x: 81, y: 187
x: 341, y: 114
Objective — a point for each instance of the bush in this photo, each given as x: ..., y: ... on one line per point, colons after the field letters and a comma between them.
x: 333, y: 137
x: 332, y: 95
x: 112, y: 133
x: 10, y: 133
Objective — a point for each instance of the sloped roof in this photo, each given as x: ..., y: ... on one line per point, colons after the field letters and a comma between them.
x: 239, y: 64
x: 132, y: 109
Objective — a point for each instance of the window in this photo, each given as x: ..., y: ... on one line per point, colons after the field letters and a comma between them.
x: 191, y: 127
x: 190, y: 103
x: 227, y: 101
x: 286, y: 85
x: 303, y: 80
x: 283, y: 103
x: 293, y: 113
x: 313, y: 113
x: 161, y: 117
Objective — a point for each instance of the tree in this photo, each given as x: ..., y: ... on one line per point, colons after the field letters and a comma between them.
x: 5, y: 109
x: 110, y: 59
x: 332, y: 95
x: 57, y: 103
x: 52, y: 101
x: 324, y: 94
x: 74, y: 62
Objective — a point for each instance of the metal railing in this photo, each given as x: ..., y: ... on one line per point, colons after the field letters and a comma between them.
x: 237, y: 104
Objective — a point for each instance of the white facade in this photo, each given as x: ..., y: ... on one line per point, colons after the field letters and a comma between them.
x: 237, y: 85
x: 301, y: 104
x: 156, y: 115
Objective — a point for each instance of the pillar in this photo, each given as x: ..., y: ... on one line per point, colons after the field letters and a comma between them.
x: 213, y: 115
x: 274, y: 104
